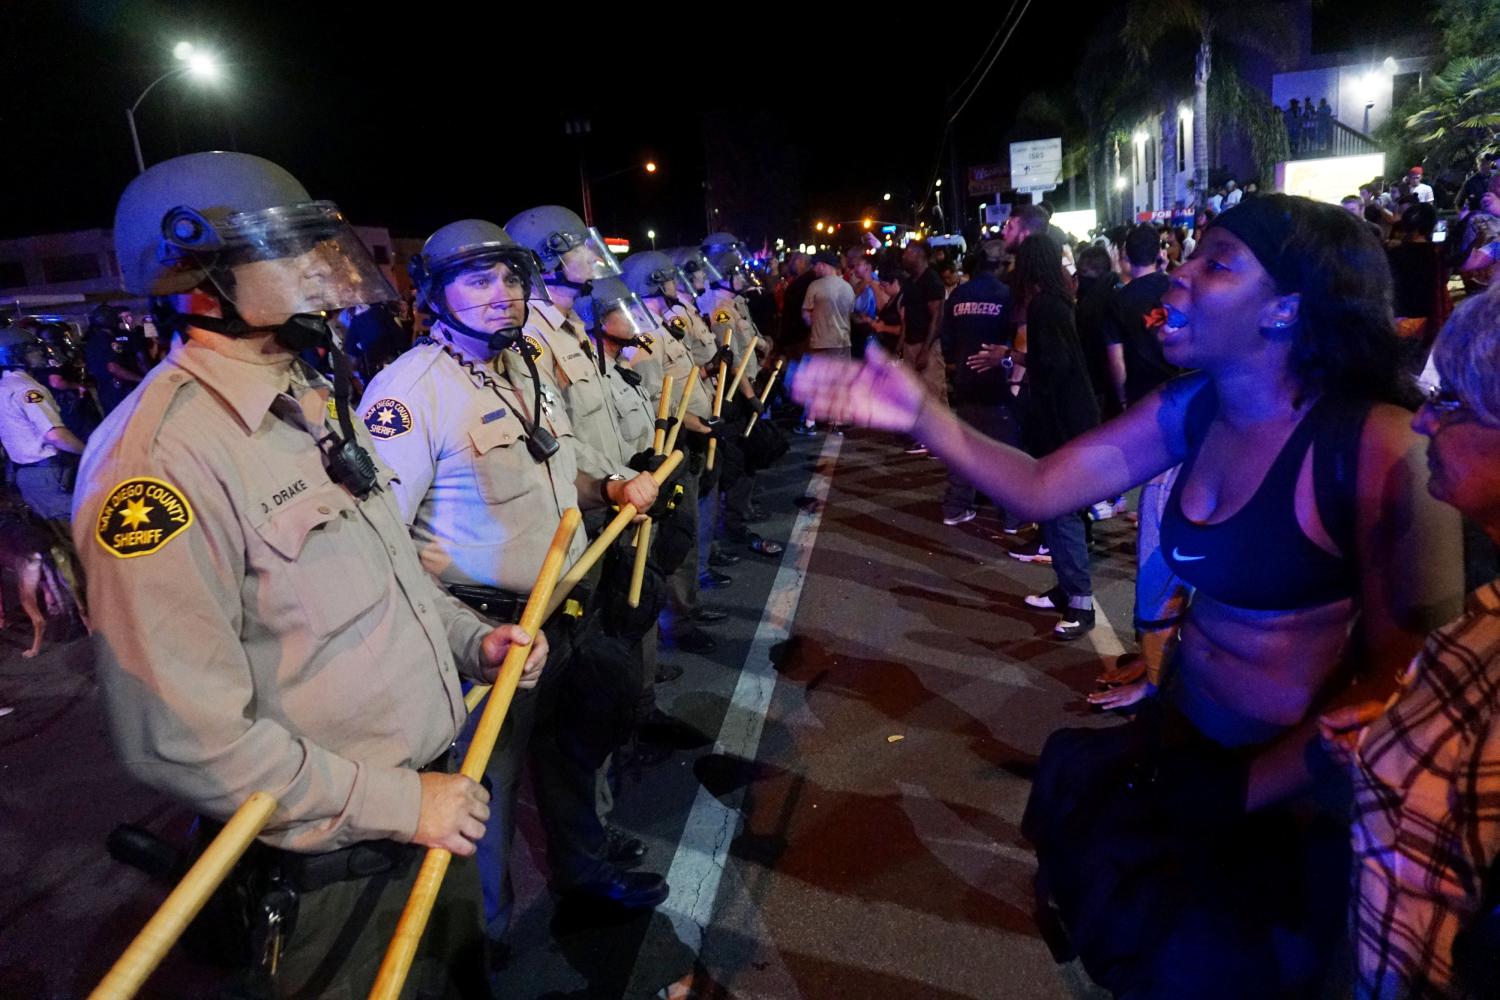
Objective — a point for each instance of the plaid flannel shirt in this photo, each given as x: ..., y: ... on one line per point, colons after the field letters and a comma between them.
x: 1427, y: 808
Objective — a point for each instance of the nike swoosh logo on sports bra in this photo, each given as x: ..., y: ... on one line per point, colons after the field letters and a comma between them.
x: 1177, y: 555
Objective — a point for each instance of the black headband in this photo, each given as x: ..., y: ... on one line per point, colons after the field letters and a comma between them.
x: 1265, y: 227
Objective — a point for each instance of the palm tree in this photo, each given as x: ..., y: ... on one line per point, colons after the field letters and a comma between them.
x: 1106, y: 89
x: 1231, y: 99
x: 1257, y: 24
x: 1462, y: 112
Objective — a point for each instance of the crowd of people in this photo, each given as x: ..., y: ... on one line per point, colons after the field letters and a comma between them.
x: 1310, y: 778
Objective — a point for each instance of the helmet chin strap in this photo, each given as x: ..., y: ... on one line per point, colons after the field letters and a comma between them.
x: 347, y: 463
x: 499, y: 340
x: 635, y: 340
x: 558, y: 279
x: 297, y: 333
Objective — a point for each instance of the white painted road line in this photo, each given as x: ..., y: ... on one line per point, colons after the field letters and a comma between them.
x: 698, y: 865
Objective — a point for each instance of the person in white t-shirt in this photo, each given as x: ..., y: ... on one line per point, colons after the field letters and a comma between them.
x: 1232, y: 194
x: 826, y: 309
x: 1417, y: 187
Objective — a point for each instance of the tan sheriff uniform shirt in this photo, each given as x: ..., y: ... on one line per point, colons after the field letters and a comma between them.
x: 746, y: 330
x: 725, y: 310
x: 700, y: 339
x: 27, y: 413
x: 575, y: 370
x: 259, y: 628
x: 633, y: 410
x: 481, y: 509
x: 672, y: 354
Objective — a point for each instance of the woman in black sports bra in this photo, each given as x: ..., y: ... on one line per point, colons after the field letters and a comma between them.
x: 1302, y: 521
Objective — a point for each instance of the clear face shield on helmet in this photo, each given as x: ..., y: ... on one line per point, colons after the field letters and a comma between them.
x: 626, y: 319
x: 489, y: 289
x: 682, y: 283
x: 282, y: 262
x: 747, y: 280
x: 583, y: 257
x: 701, y: 275
x: 665, y: 281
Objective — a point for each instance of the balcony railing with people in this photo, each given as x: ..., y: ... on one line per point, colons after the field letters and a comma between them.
x: 1314, y: 136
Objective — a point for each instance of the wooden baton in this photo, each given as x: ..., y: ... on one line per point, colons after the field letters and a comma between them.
x: 591, y: 555
x: 663, y: 408
x: 643, y: 533
x: 765, y: 394
x: 682, y: 408
x: 713, y: 443
x: 739, y: 371
x: 424, y: 891
x: 151, y: 945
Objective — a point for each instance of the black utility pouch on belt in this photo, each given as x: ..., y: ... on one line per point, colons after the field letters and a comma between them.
x: 496, y: 605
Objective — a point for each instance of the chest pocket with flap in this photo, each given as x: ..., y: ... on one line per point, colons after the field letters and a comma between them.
x: 329, y: 556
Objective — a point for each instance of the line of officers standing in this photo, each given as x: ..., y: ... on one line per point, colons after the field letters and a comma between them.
x: 290, y: 588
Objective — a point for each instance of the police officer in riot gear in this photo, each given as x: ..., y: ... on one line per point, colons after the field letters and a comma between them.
x: 724, y: 303
x: 687, y: 351
x: 308, y: 653
x: 459, y: 418
x: 572, y: 257
x: 32, y: 431
x: 735, y: 279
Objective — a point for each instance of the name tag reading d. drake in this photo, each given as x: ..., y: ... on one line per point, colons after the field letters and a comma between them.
x: 140, y: 516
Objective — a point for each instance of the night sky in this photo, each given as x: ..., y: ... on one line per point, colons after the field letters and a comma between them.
x: 437, y: 111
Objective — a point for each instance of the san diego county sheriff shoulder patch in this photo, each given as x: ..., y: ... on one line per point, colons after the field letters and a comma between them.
x: 32, y: 396
x: 388, y: 419
x: 530, y: 345
x: 140, y: 516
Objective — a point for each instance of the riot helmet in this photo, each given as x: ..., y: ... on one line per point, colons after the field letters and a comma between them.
x: 698, y: 272
x: 572, y: 254
x: 21, y: 350
x: 652, y: 274
x: 478, y: 281
x: 612, y: 310
x: 278, y: 261
x: 274, y: 257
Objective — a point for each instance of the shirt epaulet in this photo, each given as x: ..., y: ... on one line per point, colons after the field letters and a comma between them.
x: 404, y: 371
x: 153, y: 400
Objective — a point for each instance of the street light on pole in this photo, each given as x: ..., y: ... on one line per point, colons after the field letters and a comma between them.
x: 650, y: 167
x: 651, y: 235
x: 202, y: 65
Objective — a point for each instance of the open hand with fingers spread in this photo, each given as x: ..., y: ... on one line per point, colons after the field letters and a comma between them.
x: 879, y: 393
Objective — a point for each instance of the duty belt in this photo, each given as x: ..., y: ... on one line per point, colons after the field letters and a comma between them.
x: 505, y: 605
x: 303, y: 872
